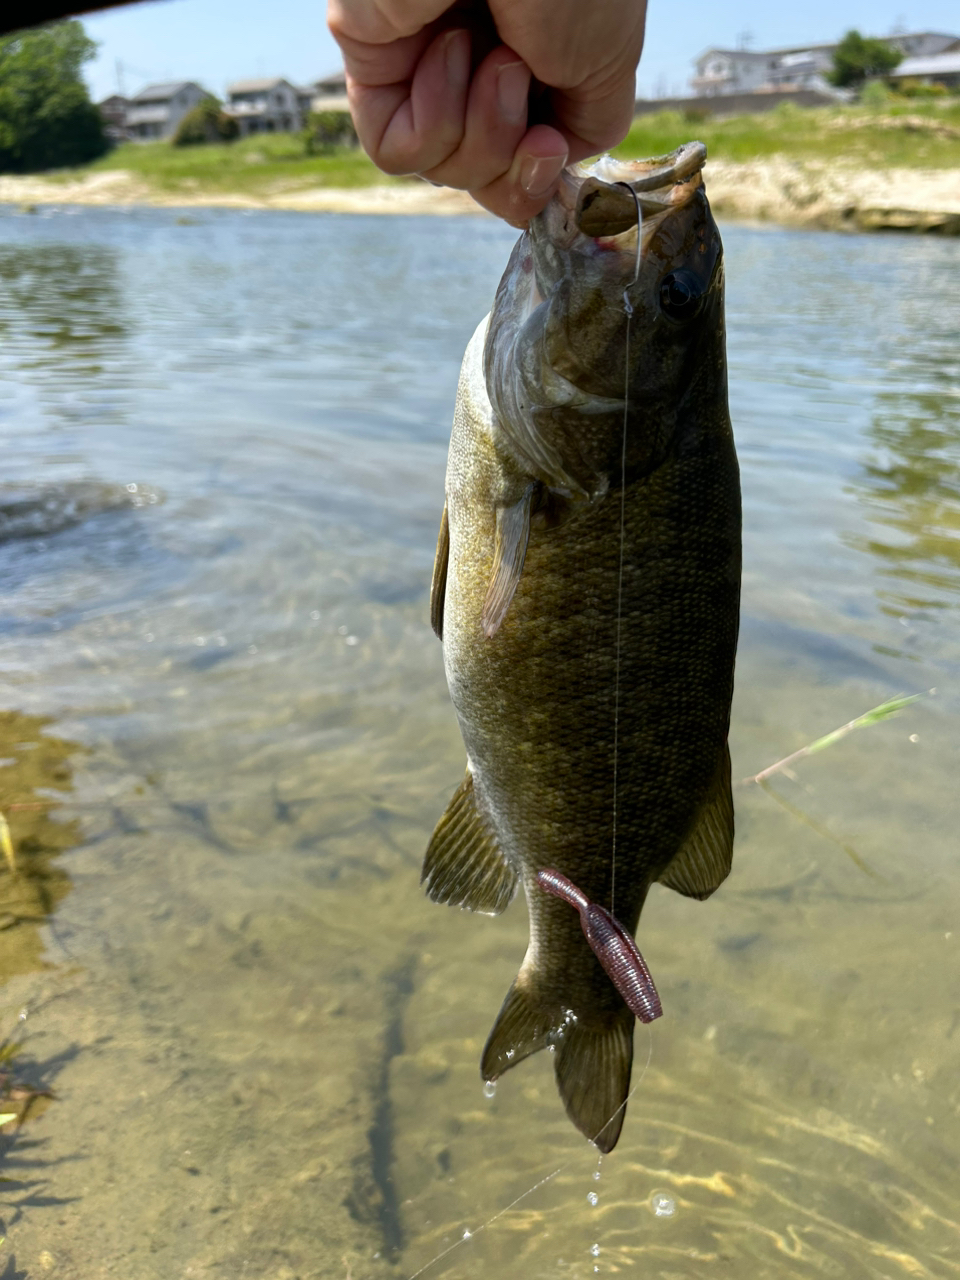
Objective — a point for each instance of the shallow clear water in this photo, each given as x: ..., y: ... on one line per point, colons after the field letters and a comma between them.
x: 226, y: 738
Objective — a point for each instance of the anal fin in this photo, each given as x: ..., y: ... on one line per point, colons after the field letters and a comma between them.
x: 513, y: 534
x: 464, y: 866
x: 706, y: 856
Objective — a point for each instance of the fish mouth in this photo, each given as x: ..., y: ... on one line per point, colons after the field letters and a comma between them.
x: 604, y: 202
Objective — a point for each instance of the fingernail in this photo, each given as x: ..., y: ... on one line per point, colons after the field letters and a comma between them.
x: 539, y: 173
x: 456, y: 56
x: 513, y: 86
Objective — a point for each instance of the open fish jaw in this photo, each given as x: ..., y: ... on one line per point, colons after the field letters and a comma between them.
x: 555, y: 356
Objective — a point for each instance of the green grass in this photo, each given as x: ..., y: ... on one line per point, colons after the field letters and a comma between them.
x: 912, y: 134
x: 906, y: 133
x: 260, y: 165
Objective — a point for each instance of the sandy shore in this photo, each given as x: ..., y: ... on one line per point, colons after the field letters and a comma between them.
x: 791, y: 193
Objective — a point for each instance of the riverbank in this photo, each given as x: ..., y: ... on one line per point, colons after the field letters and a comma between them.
x: 774, y: 189
x: 838, y: 169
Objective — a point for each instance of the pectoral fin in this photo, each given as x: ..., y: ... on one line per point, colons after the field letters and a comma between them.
x: 513, y: 534
x: 438, y: 587
x: 463, y: 866
x: 704, y: 861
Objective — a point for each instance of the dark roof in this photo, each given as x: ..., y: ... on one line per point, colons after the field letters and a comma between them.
x: 162, y: 92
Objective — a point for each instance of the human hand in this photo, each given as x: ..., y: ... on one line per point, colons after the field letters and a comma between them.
x: 445, y: 91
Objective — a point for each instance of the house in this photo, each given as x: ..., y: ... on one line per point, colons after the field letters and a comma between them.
x: 921, y: 44
x: 273, y: 105
x: 113, y: 112
x: 938, y: 68
x: 156, y: 110
x: 725, y: 71
x: 330, y: 93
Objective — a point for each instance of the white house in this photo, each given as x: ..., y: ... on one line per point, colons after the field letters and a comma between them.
x: 938, y: 68
x: 330, y: 92
x: 268, y: 106
x: 156, y: 110
x: 721, y: 71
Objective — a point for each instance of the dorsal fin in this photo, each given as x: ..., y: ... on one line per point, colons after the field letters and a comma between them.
x: 706, y: 856
x: 438, y: 587
x: 513, y: 534
x: 463, y: 866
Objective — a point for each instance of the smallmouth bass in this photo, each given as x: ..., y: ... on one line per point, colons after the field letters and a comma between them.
x: 586, y: 591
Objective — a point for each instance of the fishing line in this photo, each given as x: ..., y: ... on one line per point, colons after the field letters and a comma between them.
x: 628, y: 311
x: 542, y: 1182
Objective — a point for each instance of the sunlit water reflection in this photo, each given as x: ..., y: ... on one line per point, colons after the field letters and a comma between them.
x: 227, y: 737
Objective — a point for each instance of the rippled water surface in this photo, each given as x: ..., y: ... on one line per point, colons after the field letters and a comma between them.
x: 226, y: 738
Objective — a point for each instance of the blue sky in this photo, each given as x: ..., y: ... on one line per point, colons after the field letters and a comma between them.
x: 215, y: 41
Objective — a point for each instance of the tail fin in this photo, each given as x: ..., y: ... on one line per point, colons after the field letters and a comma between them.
x: 523, y: 1026
x: 593, y: 1059
x: 593, y: 1066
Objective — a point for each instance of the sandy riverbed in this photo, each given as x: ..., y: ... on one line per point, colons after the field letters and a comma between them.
x: 810, y: 194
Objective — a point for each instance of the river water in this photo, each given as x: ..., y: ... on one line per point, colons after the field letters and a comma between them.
x: 226, y: 739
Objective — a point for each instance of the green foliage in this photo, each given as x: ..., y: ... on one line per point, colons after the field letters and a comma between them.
x: 326, y: 130
x: 207, y: 122
x: 856, y: 58
x: 907, y: 133
x: 911, y: 88
x: 875, y: 95
x: 46, y: 117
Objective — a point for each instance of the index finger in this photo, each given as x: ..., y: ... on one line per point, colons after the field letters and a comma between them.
x: 381, y: 21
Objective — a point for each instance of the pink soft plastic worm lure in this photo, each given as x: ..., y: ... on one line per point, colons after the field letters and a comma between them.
x: 611, y: 944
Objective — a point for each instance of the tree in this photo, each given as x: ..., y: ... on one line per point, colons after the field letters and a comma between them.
x: 46, y: 117
x: 325, y: 130
x: 207, y: 122
x: 857, y: 57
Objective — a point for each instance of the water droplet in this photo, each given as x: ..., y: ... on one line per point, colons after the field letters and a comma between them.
x: 511, y: 1053
x: 148, y: 636
x: 467, y: 1234
x: 315, y: 614
x: 553, y: 1048
x: 914, y: 737
x: 663, y: 1206
x: 342, y: 630
x: 131, y: 488
x: 489, y: 1088
x: 592, y: 1197
x: 596, y: 1176
x: 595, y: 1250
x: 352, y: 640
x: 22, y: 1015
x: 252, y: 648
x: 200, y: 640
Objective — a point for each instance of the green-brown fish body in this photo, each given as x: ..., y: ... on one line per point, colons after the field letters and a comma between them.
x: 534, y: 600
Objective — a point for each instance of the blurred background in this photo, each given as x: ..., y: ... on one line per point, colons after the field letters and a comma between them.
x: 237, y: 1041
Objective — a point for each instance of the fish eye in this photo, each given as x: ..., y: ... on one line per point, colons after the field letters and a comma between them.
x: 680, y: 295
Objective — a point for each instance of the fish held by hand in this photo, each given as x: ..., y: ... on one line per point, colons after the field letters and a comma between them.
x: 586, y: 591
